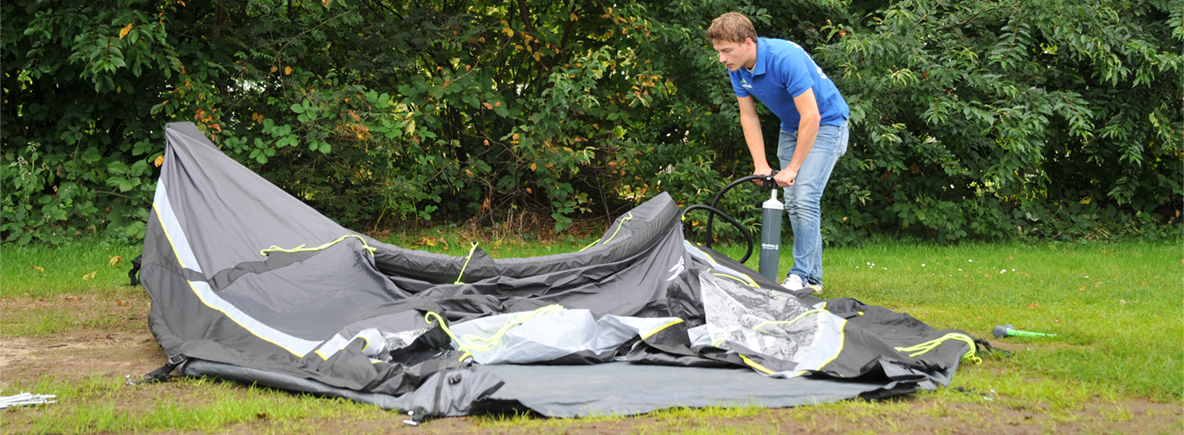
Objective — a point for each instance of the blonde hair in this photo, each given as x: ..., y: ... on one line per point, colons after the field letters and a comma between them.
x: 731, y: 27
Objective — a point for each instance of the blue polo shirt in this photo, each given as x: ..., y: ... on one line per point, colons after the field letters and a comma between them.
x: 784, y: 70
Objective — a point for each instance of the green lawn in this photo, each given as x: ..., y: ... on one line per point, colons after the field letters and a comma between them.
x: 1116, y: 308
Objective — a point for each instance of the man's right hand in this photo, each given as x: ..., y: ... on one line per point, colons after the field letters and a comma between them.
x: 765, y: 171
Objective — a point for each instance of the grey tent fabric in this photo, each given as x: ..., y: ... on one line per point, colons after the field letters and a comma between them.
x: 543, y: 336
x: 614, y: 388
x: 250, y: 284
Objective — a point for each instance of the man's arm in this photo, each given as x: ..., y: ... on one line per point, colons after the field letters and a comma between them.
x: 807, y: 133
x: 753, y: 137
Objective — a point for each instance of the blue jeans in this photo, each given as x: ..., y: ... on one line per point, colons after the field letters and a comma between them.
x: 803, y: 199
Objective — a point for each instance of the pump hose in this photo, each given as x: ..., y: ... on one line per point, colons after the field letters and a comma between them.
x: 714, y: 211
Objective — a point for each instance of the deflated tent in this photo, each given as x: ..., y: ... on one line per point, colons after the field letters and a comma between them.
x: 250, y: 284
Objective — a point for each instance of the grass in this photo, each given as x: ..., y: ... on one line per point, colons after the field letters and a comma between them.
x: 187, y: 404
x: 38, y: 271
x: 457, y: 243
x: 1116, y: 310
x: 53, y: 282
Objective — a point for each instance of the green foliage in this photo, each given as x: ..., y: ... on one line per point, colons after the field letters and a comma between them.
x: 970, y: 119
x: 987, y: 119
x: 78, y: 81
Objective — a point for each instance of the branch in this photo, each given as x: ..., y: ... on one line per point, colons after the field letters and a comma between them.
x: 566, y: 33
x: 115, y: 194
x: 525, y: 15
x: 286, y: 44
x: 927, y: 14
x: 972, y: 18
x: 388, y: 8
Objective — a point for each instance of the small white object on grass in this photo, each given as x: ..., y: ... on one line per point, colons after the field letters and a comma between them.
x: 26, y: 399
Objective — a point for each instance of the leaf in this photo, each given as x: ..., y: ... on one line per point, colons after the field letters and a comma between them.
x: 156, y: 109
x: 115, y: 260
x: 140, y: 167
x: 89, y: 275
x: 123, y: 32
x: 117, y: 168
x: 159, y: 161
x: 38, y: 268
x: 125, y: 184
x: 287, y: 70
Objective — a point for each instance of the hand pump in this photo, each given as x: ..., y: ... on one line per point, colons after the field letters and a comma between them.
x: 771, y: 235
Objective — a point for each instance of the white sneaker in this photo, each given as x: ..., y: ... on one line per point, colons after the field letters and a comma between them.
x: 793, y: 283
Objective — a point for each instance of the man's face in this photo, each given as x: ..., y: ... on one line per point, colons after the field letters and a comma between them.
x: 736, y: 54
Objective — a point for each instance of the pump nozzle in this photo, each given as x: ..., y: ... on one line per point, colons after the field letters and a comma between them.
x: 1002, y: 331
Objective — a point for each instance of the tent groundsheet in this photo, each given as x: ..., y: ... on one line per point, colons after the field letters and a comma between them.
x: 250, y: 284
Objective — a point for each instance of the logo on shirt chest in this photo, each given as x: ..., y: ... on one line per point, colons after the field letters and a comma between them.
x: 744, y: 84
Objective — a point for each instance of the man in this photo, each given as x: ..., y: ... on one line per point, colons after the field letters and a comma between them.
x: 813, y: 128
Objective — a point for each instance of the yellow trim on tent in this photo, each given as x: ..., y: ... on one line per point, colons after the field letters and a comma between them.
x: 755, y: 365
x: 933, y: 344
x: 470, y: 343
x: 164, y: 229
x: 301, y: 248
x: 842, y: 342
x: 621, y: 223
x: 749, y: 282
x: 469, y: 257
x: 786, y: 322
x: 651, y: 333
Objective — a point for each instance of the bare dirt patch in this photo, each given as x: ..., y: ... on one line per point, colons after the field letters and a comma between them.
x: 75, y: 355
x: 123, y: 346
x: 105, y: 335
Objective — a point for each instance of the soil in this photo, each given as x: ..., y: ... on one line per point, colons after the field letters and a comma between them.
x: 125, y: 347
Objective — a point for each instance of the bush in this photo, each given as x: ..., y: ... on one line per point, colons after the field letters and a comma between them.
x: 971, y: 119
